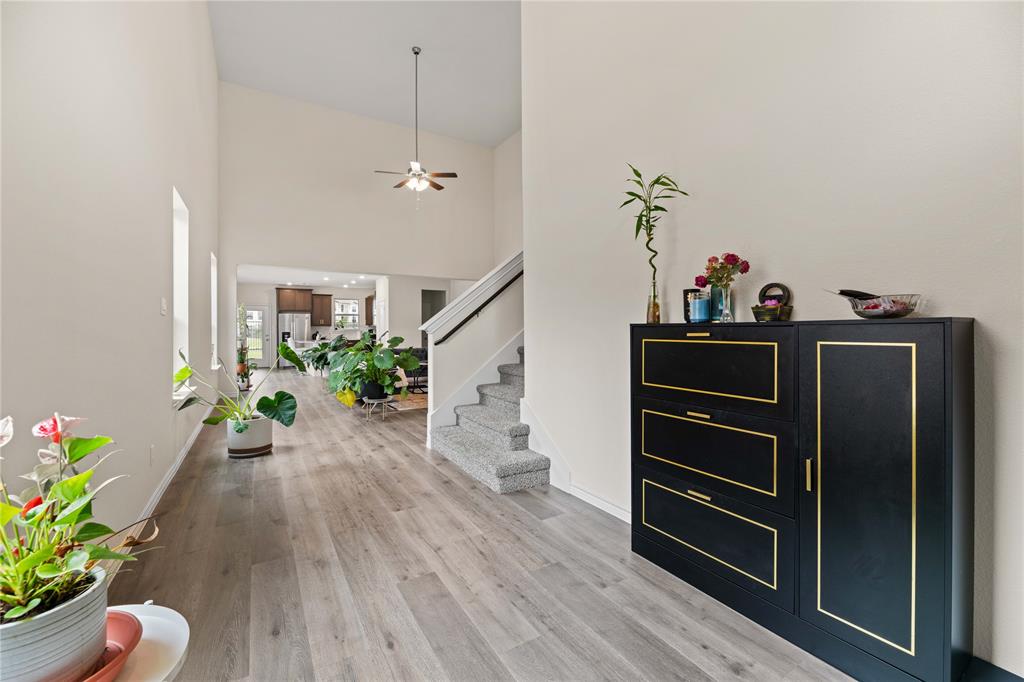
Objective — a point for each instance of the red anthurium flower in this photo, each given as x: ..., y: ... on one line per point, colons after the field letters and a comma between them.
x: 55, y: 427
x: 31, y: 504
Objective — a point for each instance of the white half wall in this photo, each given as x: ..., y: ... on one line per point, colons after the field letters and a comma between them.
x: 106, y: 107
x: 865, y: 145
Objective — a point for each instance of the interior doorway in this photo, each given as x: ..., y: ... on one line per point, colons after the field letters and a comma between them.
x: 432, y: 301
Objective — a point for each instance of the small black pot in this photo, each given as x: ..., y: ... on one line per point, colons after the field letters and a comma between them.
x: 373, y: 391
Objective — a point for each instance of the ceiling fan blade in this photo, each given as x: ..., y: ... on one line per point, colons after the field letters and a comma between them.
x: 390, y: 172
x: 435, y: 185
x: 400, y: 185
x: 442, y: 175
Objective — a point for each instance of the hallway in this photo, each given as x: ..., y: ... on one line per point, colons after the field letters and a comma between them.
x: 355, y: 553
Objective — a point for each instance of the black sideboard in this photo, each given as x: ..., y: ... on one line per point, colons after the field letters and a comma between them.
x: 817, y: 477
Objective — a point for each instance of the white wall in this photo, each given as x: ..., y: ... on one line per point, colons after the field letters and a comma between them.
x: 508, y: 198
x: 866, y: 145
x: 404, y: 303
x: 298, y: 189
x: 106, y: 106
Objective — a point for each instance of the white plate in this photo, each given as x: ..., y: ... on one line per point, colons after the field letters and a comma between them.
x: 162, y: 649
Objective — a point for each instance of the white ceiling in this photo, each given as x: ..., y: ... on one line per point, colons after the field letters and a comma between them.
x: 273, y: 274
x: 355, y: 56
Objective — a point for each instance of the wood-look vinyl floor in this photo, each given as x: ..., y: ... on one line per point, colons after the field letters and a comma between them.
x: 353, y: 552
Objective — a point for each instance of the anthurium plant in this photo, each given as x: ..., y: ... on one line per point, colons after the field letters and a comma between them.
x: 281, y: 407
x: 368, y: 362
x: 50, y: 541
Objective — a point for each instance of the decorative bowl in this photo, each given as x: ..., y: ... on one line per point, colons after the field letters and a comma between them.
x: 887, y: 306
x: 766, y: 313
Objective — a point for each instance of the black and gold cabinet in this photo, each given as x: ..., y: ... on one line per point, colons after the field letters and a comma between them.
x: 836, y: 509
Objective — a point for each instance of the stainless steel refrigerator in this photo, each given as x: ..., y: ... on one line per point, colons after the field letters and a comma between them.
x: 293, y: 328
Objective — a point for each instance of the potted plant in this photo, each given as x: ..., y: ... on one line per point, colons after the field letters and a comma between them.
x: 720, y: 273
x: 243, y: 368
x: 53, y: 595
x: 650, y: 194
x: 250, y: 427
x: 369, y: 369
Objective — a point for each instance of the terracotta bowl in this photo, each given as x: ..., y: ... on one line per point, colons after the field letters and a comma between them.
x: 123, y: 634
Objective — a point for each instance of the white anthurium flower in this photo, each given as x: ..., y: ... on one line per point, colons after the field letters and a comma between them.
x: 49, y: 455
x: 6, y: 430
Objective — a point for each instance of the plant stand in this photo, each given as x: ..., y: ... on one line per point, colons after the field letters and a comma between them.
x: 370, y: 404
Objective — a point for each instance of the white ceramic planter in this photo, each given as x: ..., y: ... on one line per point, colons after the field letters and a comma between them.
x: 256, y: 440
x: 59, y: 645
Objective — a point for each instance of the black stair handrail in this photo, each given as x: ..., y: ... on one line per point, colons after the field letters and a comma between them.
x: 477, y: 310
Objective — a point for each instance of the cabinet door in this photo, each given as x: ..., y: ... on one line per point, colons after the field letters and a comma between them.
x: 872, y: 435
x: 303, y: 301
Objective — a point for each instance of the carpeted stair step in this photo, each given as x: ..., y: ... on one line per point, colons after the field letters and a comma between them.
x: 501, y: 397
x: 500, y: 469
x: 495, y: 427
x: 513, y: 375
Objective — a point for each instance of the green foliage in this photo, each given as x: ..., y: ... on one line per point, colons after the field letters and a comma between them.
x: 650, y: 195
x: 282, y: 407
x: 368, y: 362
x: 48, y: 544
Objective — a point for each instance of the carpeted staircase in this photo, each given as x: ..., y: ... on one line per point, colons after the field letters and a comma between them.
x: 488, y: 442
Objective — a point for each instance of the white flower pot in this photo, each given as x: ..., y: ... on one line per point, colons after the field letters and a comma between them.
x: 256, y: 440
x: 59, y: 645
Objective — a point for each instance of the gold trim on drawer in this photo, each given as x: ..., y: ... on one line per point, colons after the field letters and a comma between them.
x: 775, y: 533
x: 775, y: 450
x: 913, y: 491
x: 775, y: 347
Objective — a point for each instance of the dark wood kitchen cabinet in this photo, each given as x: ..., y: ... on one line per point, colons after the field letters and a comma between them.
x: 294, y: 300
x: 818, y: 478
x: 322, y: 310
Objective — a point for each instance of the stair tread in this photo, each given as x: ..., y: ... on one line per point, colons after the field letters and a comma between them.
x: 518, y: 369
x: 476, y: 455
x: 505, y: 392
x: 492, y: 419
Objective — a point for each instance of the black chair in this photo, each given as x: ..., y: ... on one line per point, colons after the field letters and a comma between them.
x: 418, y: 377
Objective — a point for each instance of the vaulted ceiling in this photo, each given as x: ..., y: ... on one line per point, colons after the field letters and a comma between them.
x: 355, y: 56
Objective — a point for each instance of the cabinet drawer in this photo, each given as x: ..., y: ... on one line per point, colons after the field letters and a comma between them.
x: 749, y: 458
x: 746, y: 545
x: 729, y: 367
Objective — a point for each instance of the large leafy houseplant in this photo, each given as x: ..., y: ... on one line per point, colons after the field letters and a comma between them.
x: 50, y: 542
x: 368, y: 362
x: 319, y: 356
x: 280, y: 407
x: 651, y: 195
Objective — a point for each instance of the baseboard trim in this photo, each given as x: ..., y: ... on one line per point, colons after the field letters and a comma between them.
x: 154, y: 499
x: 595, y: 501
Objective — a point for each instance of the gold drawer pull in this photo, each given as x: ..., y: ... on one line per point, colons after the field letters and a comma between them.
x: 698, y: 333
x: 706, y: 498
x: 807, y: 476
x: 698, y: 414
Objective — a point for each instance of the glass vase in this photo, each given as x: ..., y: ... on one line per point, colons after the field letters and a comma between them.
x: 727, y: 305
x: 653, y: 305
x: 719, y: 304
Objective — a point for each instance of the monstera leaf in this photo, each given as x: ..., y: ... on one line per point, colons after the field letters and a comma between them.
x: 280, y: 408
x: 286, y: 352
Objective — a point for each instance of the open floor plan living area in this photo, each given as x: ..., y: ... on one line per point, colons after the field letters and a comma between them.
x: 537, y: 340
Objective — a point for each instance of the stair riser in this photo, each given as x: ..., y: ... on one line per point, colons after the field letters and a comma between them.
x: 503, y: 440
x: 503, y: 406
x: 512, y: 379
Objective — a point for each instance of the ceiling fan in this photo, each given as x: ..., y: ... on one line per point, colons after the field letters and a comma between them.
x: 417, y: 178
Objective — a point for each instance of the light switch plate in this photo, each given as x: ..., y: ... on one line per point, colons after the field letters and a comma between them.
x: 163, y: 306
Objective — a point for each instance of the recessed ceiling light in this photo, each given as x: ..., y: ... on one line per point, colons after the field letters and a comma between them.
x: 352, y: 282
x: 327, y: 279
x: 289, y: 283
x: 362, y: 276
x: 345, y: 286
